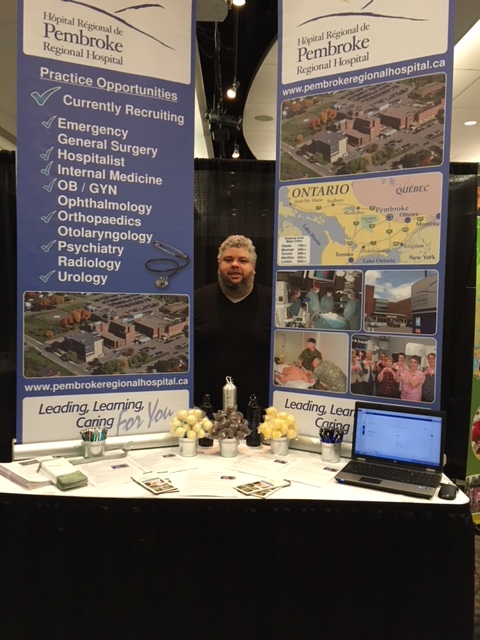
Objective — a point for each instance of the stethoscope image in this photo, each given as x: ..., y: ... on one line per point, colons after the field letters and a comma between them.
x: 168, y: 267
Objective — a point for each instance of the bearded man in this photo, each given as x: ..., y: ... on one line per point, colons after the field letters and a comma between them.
x: 232, y: 321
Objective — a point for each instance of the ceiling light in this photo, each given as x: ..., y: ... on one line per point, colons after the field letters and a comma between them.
x: 236, y: 151
x: 232, y: 91
x: 238, y: 3
x: 470, y: 123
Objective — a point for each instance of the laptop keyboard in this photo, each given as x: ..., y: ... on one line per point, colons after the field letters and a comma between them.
x: 393, y: 473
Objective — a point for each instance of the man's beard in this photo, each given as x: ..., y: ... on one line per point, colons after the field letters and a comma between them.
x: 236, y: 289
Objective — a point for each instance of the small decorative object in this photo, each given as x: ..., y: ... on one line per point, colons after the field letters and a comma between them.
x: 229, y: 394
x: 331, y: 440
x: 188, y: 427
x: 280, y: 428
x: 208, y: 411
x: 254, y: 417
x: 228, y: 428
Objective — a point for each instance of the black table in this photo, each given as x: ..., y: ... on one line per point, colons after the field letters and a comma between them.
x: 152, y: 568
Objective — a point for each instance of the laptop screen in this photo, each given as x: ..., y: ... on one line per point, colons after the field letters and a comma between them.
x: 407, y: 436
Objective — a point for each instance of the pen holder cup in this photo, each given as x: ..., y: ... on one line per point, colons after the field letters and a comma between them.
x: 93, y: 449
x: 331, y: 451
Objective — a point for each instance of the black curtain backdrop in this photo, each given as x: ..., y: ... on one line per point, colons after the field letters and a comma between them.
x: 8, y: 317
x: 459, y: 312
x: 233, y: 197
x: 237, y: 196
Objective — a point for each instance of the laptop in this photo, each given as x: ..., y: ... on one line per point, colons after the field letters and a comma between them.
x: 396, y: 449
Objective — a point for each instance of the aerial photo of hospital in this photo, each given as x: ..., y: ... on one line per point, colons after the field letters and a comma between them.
x: 382, y: 127
x: 77, y: 334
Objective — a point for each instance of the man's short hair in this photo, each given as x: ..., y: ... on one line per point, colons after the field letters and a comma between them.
x: 238, y: 242
x: 312, y: 340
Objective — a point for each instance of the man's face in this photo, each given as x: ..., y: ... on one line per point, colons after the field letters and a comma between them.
x: 236, y: 270
x: 311, y: 346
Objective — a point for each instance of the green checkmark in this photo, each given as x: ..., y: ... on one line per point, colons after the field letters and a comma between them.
x: 47, y: 124
x: 41, y: 98
x: 48, y: 217
x: 47, y: 247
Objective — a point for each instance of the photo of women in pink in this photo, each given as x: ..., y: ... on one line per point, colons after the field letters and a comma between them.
x: 412, y: 381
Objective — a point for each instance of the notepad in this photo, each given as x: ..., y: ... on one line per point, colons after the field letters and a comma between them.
x: 63, y: 474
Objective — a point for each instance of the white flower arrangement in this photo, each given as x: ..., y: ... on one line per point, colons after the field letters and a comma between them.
x: 190, y: 424
x: 277, y: 425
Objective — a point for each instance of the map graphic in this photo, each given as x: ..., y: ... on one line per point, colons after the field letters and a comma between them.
x: 376, y: 221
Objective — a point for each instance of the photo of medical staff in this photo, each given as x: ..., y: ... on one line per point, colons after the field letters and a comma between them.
x: 398, y: 301
x: 311, y: 360
x: 319, y: 299
x: 393, y: 367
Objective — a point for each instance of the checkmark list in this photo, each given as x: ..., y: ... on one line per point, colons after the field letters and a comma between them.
x: 47, y: 276
x: 48, y: 217
x: 48, y: 123
x: 48, y: 187
x: 41, y: 98
x: 47, y: 247
x: 46, y: 170
x: 46, y: 156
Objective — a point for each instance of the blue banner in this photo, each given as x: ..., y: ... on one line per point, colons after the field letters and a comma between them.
x: 364, y: 95
x: 105, y: 216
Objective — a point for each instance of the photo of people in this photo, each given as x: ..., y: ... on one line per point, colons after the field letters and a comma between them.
x: 319, y: 299
x: 399, y: 301
x: 311, y: 360
x: 393, y: 367
x: 475, y: 436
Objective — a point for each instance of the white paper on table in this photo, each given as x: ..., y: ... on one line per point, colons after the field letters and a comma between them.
x: 219, y: 484
x: 109, y: 473
x: 167, y: 462
x: 262, y: 465
x: 314, y: 472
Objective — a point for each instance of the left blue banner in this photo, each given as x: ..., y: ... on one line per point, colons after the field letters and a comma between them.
x: 105, y: 216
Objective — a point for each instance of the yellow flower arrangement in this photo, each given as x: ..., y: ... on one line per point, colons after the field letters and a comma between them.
x: 278, y: 425
x: 190, y: 424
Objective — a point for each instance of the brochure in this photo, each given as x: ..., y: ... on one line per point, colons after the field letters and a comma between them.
x: 262, y: 488
x: 154, y: 482
x: 25, y: 473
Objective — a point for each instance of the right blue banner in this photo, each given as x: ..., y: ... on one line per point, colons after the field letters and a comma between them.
x: 363, y: 131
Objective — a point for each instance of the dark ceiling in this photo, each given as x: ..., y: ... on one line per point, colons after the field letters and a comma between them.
x: 257, y: 29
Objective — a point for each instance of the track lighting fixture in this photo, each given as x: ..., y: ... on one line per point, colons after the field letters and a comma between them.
x: 232, y: 91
